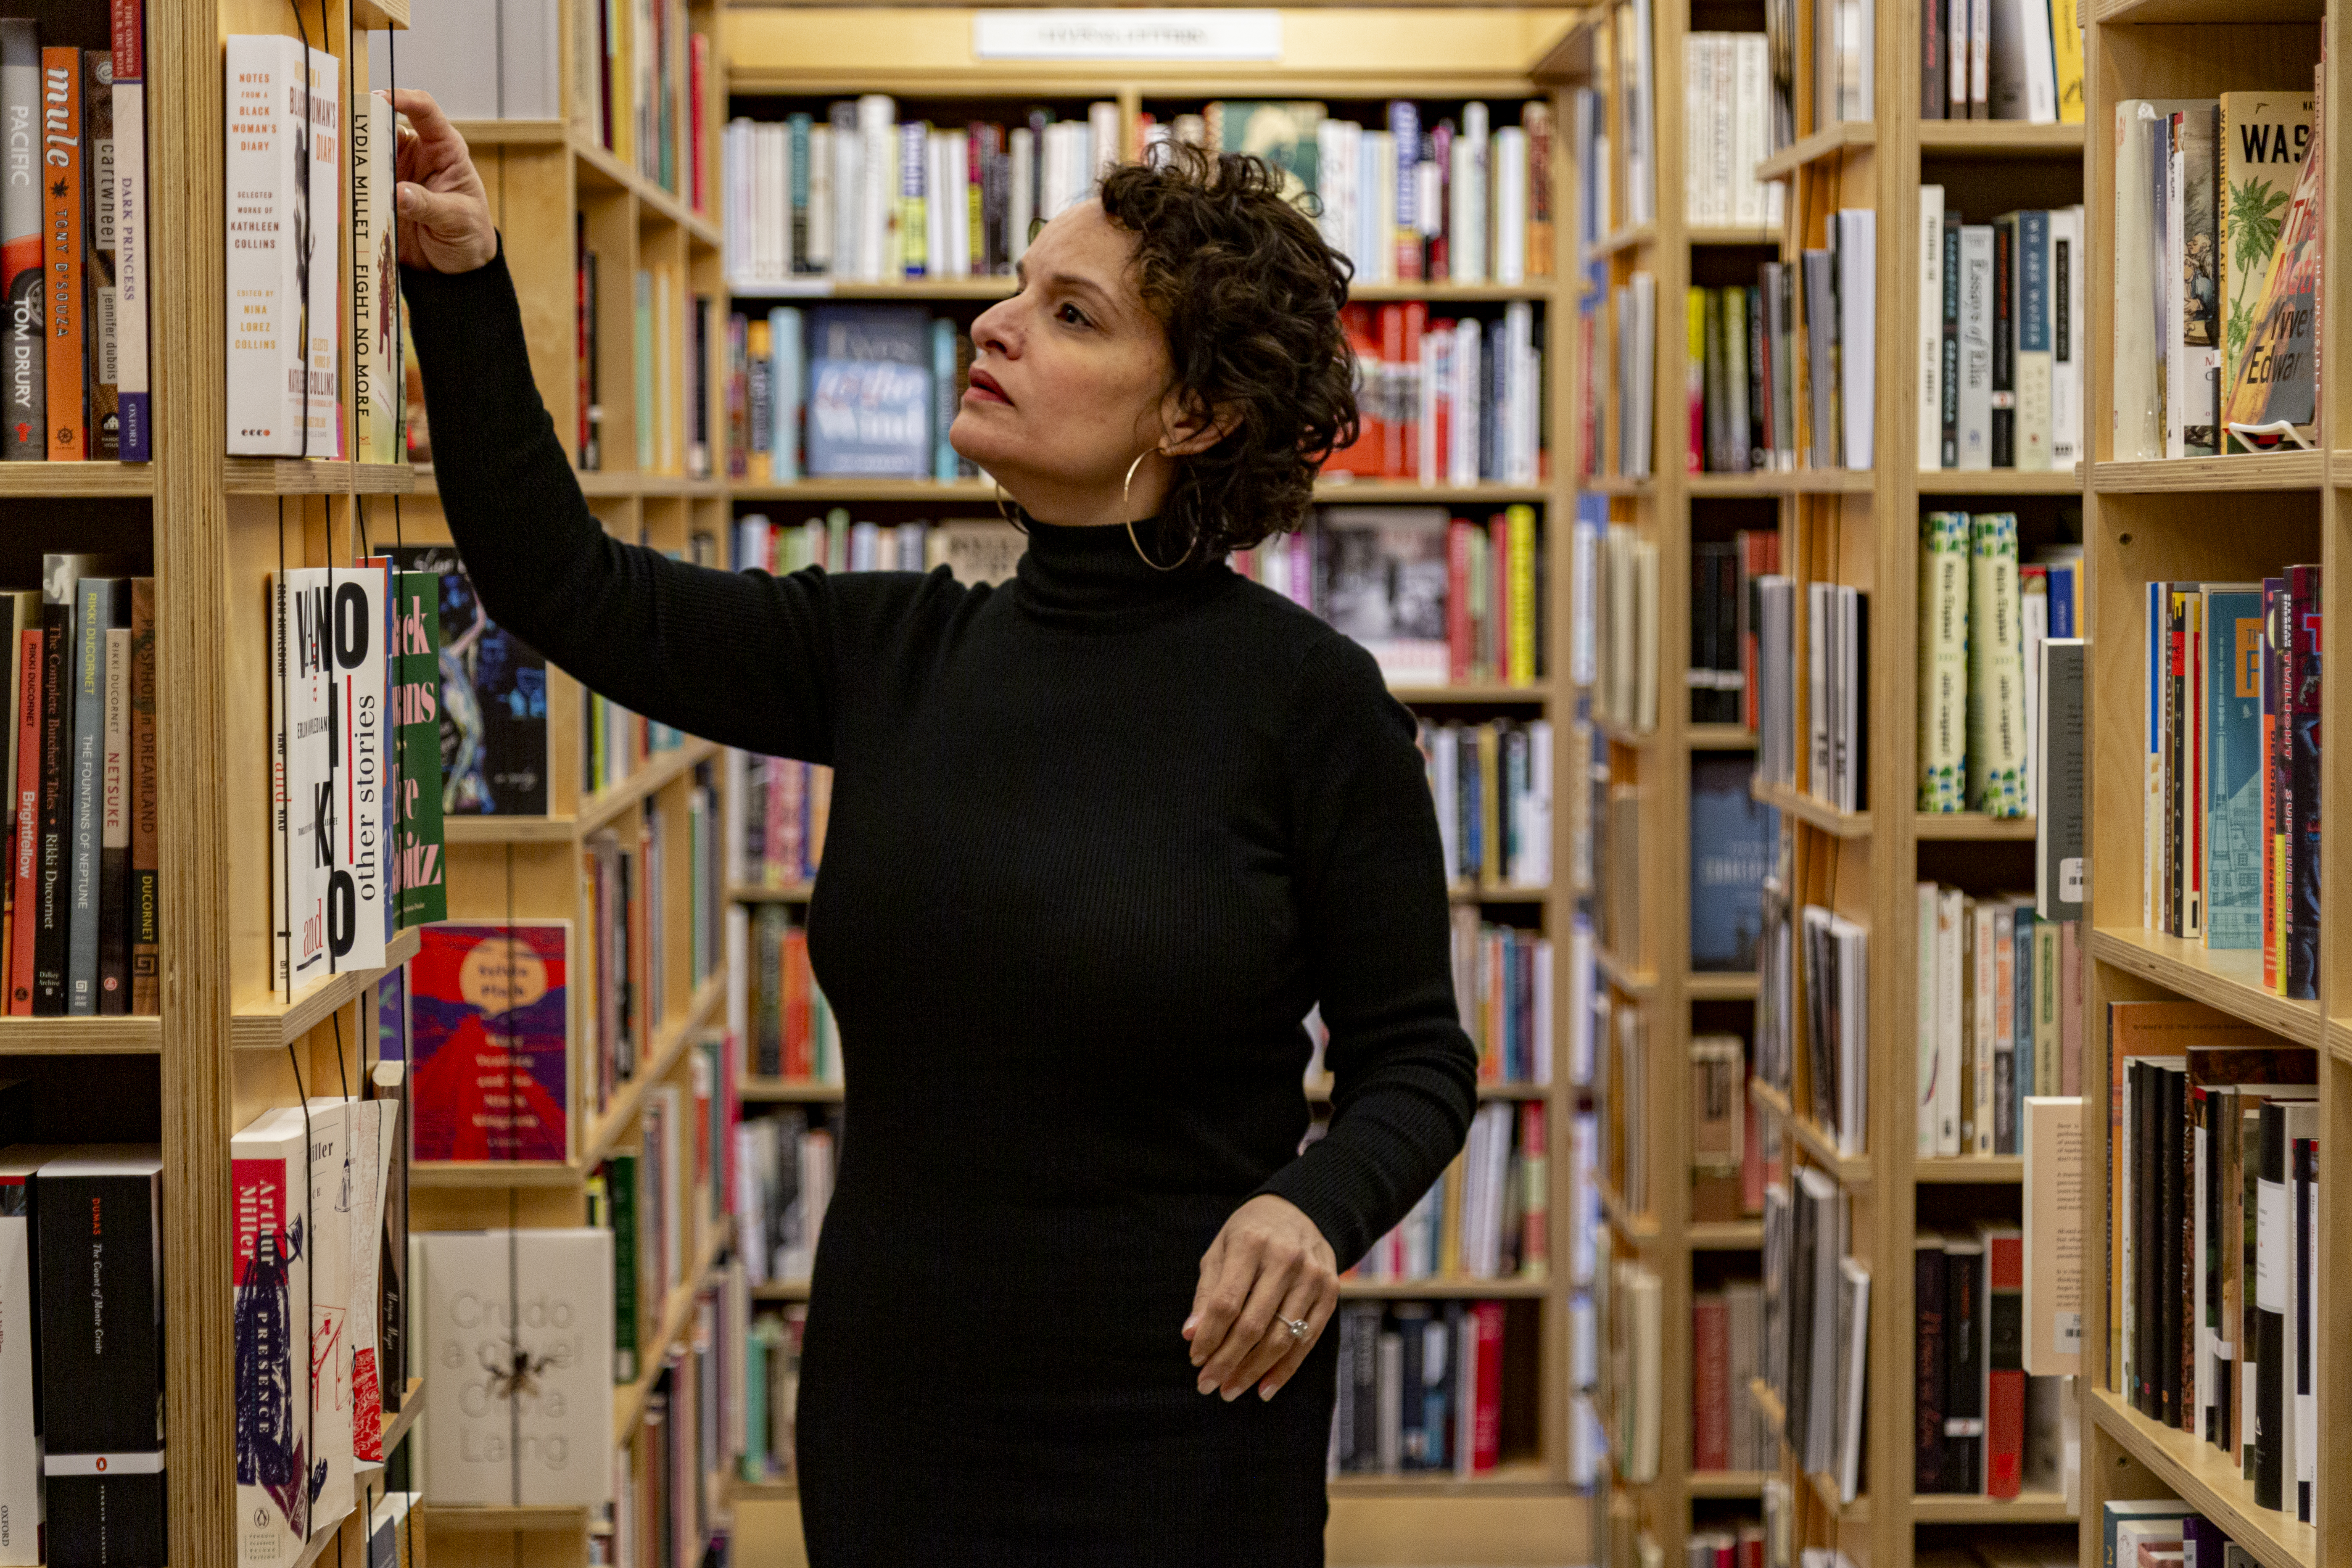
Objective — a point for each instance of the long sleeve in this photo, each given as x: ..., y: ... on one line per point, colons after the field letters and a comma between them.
x: 742, y: 658
x: 1371, y: 886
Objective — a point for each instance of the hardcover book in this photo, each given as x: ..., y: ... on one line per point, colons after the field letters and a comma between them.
x: 20, y: 1435
x: 420, y: 892
x: 1997, y: 782
x: 1384, y: 583
x: 488, y: 1041
x: 2234, y: 766
x: 870, y: 393
x: 145, y: 899
x: 523, y: 1417
x: 65, y: 306
x: 102, y: 373
x: 2263, y: 138
x: 328, y: 1243
x: 376, y: 381
x: 492, y: 700
x: 24, y: 378
x: 2272, y: 392
x: 284, y: 177
x: 101, y: 603
x: 1732, y: 843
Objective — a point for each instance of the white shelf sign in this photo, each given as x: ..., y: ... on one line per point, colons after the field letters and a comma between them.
x: 1127, y: 34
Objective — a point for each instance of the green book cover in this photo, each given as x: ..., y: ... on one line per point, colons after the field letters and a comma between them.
x: 422, y: 893
x: 1996, y: 670
x: 622, y: 1192
x: 1943, y: 661
x: 2234, y: 766
x: 752, y: 1464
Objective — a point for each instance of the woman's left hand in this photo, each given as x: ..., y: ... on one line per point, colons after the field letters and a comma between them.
x: 1268, y: 1268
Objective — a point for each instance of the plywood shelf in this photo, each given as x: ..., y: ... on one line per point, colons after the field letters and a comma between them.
x: 1834, y: 141
x: 1967, y: 1170
x: 1729, y: 1483
x: 2230, y: 980
x: 1720, y: 737
x: 314, y: 477
x: 1724, y: 1236
x: 2066, y: 482
x: 2243, y: 471
x: 1813, y: 812
x: 1782, y: 483
x: 1636, y: 983
x: 1441, y: 1290
x: 120, y: 1036
x: 756, y: 893
x: 58, y: 482
x: 2025, y: 1507
x: 1702, y: 987
x: 1972, y: 826
x: 2209, y: 1482
x: 1999, y: 139
x: 264, y: 1022
x: 757, y: 1090
x: 1852, y: 1172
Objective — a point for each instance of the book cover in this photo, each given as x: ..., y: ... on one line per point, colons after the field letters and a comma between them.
x: 376, y: 381
x: 369, y: 1166
x: 2233, y: 767
x: 1733, y: 840
x: 487, y: 1011
x: 2138, y: 409
x: 2004, y: 1330
x: 2299, y: 964
x: 1285, y: 135
x: 267, y: 202
x: 101, y: 369
x: 1964, y: 1367
x: 1944, y: 574
x: 492, y: 699
x: 52, y: 886
x: 2273, y: 393
x: 20, y: 1441
x: 869, y: 392
x: 2263, y: 137
x: 360, y: 889
x: 328, y: 1243
x: 1928, y: 1293
x: 65, y: 306
x: 112, y: 894
x: 24, y: 377
x: 419, y: 888
x: 270, y: 1283
x: 2059, y: 875
x: 1996, y: 693
x: 2032, y: 357
x: 305, y: 799
x: 100, y: 603
x: 144, y: 897
x: 132, y: 265
x: 2273, y: 1302
x: 99, y: 1252
x: 20, y: 612
x: 1975, y: 448
x: 1385, y: 583
x: 388, y: 1084
x: 528, y: 1420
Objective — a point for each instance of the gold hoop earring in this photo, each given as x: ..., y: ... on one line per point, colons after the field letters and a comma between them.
x: 1123, y: 511
x: 1012, y: 518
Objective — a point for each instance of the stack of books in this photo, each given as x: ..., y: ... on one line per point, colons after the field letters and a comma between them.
x: 2001, y: 341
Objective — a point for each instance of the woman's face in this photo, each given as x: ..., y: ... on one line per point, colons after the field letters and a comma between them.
x: 1069, y: 378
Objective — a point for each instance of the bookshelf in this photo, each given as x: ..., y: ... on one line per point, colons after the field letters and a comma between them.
x: 778, y: 60
x: 1858, y: 528
x: 2146, y: 521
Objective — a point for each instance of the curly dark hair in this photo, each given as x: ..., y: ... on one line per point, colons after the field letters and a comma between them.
x: 1249, y: 294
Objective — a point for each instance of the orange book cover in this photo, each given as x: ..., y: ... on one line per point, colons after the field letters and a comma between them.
x: 61, y: 249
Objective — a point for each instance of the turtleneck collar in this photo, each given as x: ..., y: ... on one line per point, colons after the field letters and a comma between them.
x: 1095, y: 573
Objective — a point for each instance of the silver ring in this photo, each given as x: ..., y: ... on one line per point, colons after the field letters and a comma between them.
x: 1297, y: 1326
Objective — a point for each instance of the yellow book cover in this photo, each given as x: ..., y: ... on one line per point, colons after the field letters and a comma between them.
x: 2066, y: 37
x: 1449, y: 1222
x: 1695, y: 383
x: 1520, y: 521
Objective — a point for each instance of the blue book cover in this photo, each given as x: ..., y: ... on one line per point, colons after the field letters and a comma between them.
x: 870, y: 393
x: 944, y: 395
x: 2233, y: 767
x: 1732, y: 839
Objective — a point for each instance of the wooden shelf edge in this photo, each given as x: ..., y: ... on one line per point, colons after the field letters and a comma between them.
x: 2015, y: 138
x: 2200, y: 1476
x: 1720, y: 737
x: 1700, y: 988
x: 1972, y: 826
x: 1812, y: 811
x: 1826, y: 143
x: 1635, y: 1226
x: 1847, y: 1170
x: 269, y: 1024
x: 757, y: 893
x: 1987, y: 1170
x: 1724, y: 1236
x: 755, y: 1090
x: 1633, y: 983
x: 1726, y: 1483
x: 2229, y: 981
x: 2067, y: 482
x: 116, y: 1036
x: 51, y: 482
x: 781, y: 1290
x: 2026, y: 1507
x: 313, y: 476
x: 2241, y: 472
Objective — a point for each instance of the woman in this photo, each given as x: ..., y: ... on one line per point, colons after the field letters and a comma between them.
x: 1098, y: 841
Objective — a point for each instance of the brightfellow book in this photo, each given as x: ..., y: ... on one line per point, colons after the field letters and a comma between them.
x: 489, y: 1044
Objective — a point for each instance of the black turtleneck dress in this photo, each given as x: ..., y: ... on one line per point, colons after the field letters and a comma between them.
x: 1100, y: 838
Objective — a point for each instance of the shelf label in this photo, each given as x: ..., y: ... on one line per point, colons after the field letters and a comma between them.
x: 1127, y: 34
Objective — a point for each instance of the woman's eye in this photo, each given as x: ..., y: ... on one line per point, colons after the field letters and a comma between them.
x: 1075, y: 316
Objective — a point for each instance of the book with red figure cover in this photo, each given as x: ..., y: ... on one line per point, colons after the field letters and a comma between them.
x: 486, y: 1030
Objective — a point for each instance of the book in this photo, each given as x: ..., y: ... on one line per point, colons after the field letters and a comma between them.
x: 2263, y: 138
x: 284, y: 193
x: 24, y: 379
x: 2273, y: 399
x: 1946, y: 574
x: 377, y: 383
x: 2299, y: 719
x: 419, y: 886
x: 20, y: 1443
x: 144, y: 897
x: 537, y: 1432
x: 487, y: 1011
x: 111, y: 889
x: 132, y: 263
x: 99, y: 1250
x: 1385, y: 581
x: 64, y: 237
x: 869, y: 394
x: 1732, y: 839
x: 98, y: 603
x: 61, y: 578
x: 270, y: 1275
x: 2052, y: 1242
x: 1995, y: 690
x: 492, y: 699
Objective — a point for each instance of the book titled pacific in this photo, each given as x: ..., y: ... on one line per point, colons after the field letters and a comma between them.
x: 487, y: 1026
x: 492, y: 700
x: 869, y: 392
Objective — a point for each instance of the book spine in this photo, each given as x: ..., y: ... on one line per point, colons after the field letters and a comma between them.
x: 104, y: 417
x: 2300, y: 964
x: 266, y: 361
x: 26, y: 845
x: 50, y: 902
x: 1944, y: 571
x: 64, y: 305
x: 2004, y: 1365
x: 2273, y: 1293
x: 2004, y: 359
x: 92, y: 613
x: 1929, y: 1371
x: 112, y: 892
x: 24, y: 381
x: 1948, y: 377
x: 20, y: 1449
x: 1996, y: 698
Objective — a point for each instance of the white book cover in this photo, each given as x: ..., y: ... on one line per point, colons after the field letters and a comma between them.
x: 1924, y: 1021
x: 132, y: 198
x: 330, y: 1241
x: 519, y: 1408
x: 359, y: 890
x: 271, y: 1281
x: 2066, y: 342
x: 1983, y: 950
x: 819, y: 256
x: 376, y: 391
x: 303, y: 806
x: 1507, y: 258
x: 1854, y: 1318
x: 322, y: 401
x: 1638, y: 123
x: 2139, y: 416
x: 1950, y: 909
x: 1751, y: 82
x: 2022, y: 79
x: 262, y: 171
x: 1857, y: 249
x: 1931, y: 326
x: 371, y: 1170
x: 1976, y: 346
x: 1817, y: 689
x: 20, y: 1443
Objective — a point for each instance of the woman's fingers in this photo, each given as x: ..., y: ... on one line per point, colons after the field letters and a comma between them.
x: 1227, y: 1270
x: 1294, y: 1355
x: 1275, y: 1268
x: 1300, y: 1304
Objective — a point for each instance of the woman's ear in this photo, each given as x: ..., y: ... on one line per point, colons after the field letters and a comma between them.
x: 1190, y: 426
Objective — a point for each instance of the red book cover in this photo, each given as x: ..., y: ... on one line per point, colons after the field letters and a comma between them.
x: 129, y: 44
x: 2273, y: 775
x: 62, y: 240
x: 697, y: 78
x: 1397, y: 374
x: 1363, y: 457
x: 1408, y: 407
x: 1437, y: 399
x: 800, y: 1057
x: 1486, y: 1414
x: 2004, y: 1362
x: 1710, y: 1383
x: 25, y: 848
x: 486, y: 1037
x: 1459, y: 649
x: 1535, y: 1236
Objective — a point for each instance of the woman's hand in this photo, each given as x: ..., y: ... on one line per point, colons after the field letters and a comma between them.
x: 1268, y: 1268
x: 445, y: 213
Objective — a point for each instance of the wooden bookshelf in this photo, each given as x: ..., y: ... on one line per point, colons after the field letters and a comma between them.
x: 2144, y: 520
